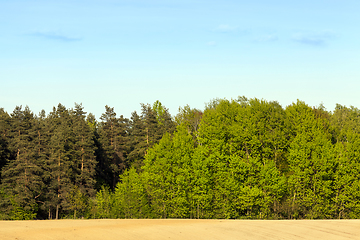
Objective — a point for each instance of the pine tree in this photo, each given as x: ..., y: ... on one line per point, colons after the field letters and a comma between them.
x: 23, y: 175
x: 41, y: 147
x: 152, y: 133
x: 137, y: 138
x: 60, y: 163
x: 147, y: 130
x: 113, y: 135
x: 83, y: 161
x: 84, y: 152
x: 4, y: 138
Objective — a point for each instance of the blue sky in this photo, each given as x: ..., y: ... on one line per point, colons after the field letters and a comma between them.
x: 123, y: 53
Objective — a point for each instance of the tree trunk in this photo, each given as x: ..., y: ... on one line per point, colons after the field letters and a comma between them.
x: 57, y: 212
x: 198, y: 210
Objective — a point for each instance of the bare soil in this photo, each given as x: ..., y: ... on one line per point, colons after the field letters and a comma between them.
x: 179, y: 229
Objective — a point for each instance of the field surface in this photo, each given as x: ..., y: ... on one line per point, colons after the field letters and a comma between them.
x: 179, y: 229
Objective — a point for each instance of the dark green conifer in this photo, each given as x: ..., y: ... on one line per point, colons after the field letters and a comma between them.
x: 23, y: 174
x: 60, y: 162
x: 137, y: 140
x: 113, y: 136
x: 4, y: 138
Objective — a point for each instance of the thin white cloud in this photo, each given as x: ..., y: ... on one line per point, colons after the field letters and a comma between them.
x: 314, y: 38
x: 211, y: 43
x: 225, y: 28
x: 267, y: 38
x: 55, y: 36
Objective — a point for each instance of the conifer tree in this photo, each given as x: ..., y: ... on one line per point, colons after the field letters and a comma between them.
x: 84, y: 152
x: 147, y: 130
x: 23, y: 174
x: 144, y: 133
x: 41, y: 147
x: 113, y: 135
x: 82, y: 162
x: 4, y: 138
x: 100, y: 178
x: 152, y: 133
x: 60, y: 162
x: 137, y: 140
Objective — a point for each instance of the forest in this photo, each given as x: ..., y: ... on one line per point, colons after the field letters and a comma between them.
x: 235, y: 159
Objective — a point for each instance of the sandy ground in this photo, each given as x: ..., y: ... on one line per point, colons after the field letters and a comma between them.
x: 179, y: 229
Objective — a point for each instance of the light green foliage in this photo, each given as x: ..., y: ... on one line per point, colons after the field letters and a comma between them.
x: 104, y: 203
x: 11, y: 209
x: 191, y: 117
x: 167, y: 173
x: 201, y: 194
x: 130, y: 196
x: 159, y: 109
x: 19, y: 213
x: 241, y: 155
x: 76, y: 201
x: 347, y: 179
x: 311, y: 163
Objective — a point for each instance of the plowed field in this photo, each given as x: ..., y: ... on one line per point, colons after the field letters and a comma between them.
x: 179, y: 229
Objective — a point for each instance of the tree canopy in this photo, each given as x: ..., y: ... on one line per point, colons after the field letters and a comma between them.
x: 236, y: 159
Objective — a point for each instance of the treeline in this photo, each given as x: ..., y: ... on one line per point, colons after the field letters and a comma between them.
x: 53, y: 165
x: 239, y: 159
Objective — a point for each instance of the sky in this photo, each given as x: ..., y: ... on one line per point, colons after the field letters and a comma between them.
x: 125, y: 52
